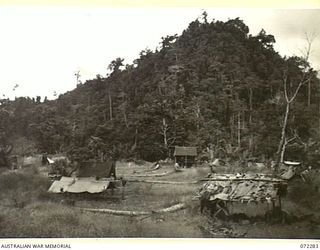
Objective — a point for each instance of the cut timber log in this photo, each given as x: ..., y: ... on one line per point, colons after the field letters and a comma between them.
x: 171, y: 209
x: 145, y: 171
x: 115, y: 212
x: 243, y: 179
x: 202, y: 180
x: 163, y: 182
x: 154, y: 175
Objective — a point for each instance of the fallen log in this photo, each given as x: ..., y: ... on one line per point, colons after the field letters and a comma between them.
x: 171, y: 209
x: 242, y: 179
x: 115, y: 212
x: 199, y: 181
x: 163, y: 182
x: 145, y: 171
x: 153, y: 175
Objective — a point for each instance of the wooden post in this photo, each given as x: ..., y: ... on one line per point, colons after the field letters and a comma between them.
x: 122, y: 192
x: 273, y: 208
x: 280, y: 202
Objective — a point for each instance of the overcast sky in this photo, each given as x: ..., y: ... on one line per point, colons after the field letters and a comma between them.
x: 41, y: 48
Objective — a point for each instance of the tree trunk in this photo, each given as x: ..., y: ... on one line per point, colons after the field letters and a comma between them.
x: 164, y: 132
x: 304, y: 79
x: 197, y: 113
x: 251, y: 144
x: 319, y: 112
x: 309, y: 93
x: 125, y: 117
x: 243, y: 120
x: 283, y: 151
x: 282, y: 144
x: 110, y: 104
x: 239, y: 129
x: 250, y: 105
x: 135, y: 140
x: 319, y: 120
x: 227, y: 114
x: 232, y: 125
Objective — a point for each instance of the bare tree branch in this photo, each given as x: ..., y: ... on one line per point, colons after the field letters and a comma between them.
x: 304, y: 79
x: 285, y: 78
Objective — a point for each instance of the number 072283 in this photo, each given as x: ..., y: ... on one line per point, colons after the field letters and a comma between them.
x: 309, y: 246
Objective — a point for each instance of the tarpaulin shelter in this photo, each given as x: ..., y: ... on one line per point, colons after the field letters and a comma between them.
x: 82, y: 185
x: 95, y: 169
x: 185, y: 156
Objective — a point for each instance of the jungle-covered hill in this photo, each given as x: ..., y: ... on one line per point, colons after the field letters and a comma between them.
x: 214, y: 86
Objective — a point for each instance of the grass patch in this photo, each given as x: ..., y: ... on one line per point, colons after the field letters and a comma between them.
x: 43, y: 215
x: 52, y: 220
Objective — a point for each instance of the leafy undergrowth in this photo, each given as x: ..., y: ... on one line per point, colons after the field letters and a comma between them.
x: 19, y: 189
x: 306, y: 193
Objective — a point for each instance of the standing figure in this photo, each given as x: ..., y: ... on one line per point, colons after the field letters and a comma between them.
x: 44, y: 159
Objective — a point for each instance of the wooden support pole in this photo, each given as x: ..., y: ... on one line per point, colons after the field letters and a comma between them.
x: 280, y: 203
x: 122, y: 193
x: 273, y: 207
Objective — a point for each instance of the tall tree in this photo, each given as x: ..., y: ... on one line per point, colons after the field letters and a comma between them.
x: 290, y: 94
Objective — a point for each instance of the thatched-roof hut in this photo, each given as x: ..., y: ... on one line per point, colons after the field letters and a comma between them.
x: 185, y: 156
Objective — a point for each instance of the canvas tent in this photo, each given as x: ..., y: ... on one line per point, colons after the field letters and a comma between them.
x: 185, y: 156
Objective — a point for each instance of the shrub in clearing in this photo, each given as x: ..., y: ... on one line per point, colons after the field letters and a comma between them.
x: 305, y: 194
x: 1, y: 219
x: 22, y: 188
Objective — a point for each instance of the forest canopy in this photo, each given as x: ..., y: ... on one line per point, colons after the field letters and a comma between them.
x: 215, y: 87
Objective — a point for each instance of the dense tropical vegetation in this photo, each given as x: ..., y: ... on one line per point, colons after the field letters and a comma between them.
x: 215, y: 86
